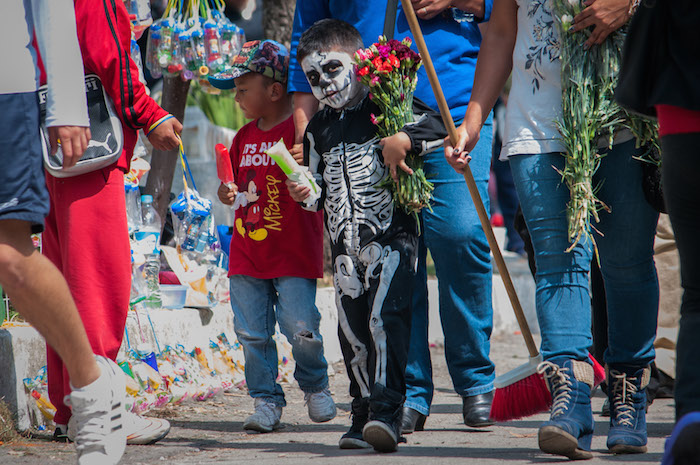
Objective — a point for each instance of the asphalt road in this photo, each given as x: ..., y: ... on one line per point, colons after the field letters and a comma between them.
x: 211, y: 432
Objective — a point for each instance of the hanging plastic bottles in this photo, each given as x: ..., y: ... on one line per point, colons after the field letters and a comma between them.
x: 193, y: 40
x: 191, y: 211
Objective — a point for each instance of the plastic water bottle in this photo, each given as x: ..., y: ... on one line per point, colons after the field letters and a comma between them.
x: 148, y: 240
x: 133, y: 207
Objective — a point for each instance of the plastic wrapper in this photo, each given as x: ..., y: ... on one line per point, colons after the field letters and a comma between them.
x: 42, y: 410
x: 198, y: 260
x: 294, y: 171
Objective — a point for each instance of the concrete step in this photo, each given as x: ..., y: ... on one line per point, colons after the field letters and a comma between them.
x: 22, y: 350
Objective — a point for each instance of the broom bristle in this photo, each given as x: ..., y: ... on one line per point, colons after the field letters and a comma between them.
x: 598, y: 371
x: 523, y: 398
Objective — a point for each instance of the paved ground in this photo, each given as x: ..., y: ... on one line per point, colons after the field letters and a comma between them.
x: 211, y: 432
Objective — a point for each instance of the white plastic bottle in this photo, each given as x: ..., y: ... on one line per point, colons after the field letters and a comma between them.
x: 148, y: 243
x: 133, y: 207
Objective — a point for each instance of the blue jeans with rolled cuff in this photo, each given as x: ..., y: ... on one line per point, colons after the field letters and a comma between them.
x: 458, y: 246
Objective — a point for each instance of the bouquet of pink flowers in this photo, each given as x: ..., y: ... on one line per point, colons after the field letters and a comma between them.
x: 389, y: 69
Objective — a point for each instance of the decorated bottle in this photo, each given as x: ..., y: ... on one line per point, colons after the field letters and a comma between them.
x: 175, y: 64
x: 211, y: 42
x: 187, y: 55
x: 164, y: 51
x: 152, y: 50
x: 228, y: 42
x: 200, y: 53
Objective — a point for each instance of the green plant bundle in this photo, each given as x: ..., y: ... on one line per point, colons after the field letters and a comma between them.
x: 589, y: 113
x: 221, y: 109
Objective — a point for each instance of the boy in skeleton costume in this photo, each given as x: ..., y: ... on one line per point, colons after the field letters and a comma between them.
x: 373, y: 243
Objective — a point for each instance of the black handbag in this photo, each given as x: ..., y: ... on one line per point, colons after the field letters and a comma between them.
x: 107, y: 140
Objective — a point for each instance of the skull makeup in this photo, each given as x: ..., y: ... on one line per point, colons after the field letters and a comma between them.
x: 332, y: 78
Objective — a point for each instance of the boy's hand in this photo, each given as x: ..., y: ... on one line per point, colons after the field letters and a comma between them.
x: 227, y: 194
x: 165, y: 136
x: 297, y: 152
x: 296, y: 191
x: 458, y: 156
x: 394, y: 150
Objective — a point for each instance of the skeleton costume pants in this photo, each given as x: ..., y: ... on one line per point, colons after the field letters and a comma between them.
x: 373, y: 297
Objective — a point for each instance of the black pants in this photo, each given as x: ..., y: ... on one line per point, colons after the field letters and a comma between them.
x: 681, y: 183
x: 373, y: 296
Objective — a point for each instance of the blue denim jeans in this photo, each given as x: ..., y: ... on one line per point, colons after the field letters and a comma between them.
x: 626, y: 257
x: 458, y: 246
x: 257, y: 304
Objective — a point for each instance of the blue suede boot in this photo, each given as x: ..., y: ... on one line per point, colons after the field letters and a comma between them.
x: 569, y: 430
x: 628, y: 403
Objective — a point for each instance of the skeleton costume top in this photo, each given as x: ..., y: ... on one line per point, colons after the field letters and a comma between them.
x: 342, y: 150
x: 373, y: 243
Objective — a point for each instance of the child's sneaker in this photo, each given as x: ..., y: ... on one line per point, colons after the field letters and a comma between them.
x: 383, y: 431
x: 321, y: 406
x: 142, y: 430
x: 628, y: 402
x: 569, y: 430
x: 266, y: 417
x: 353, y: 438
x: 97, y: 413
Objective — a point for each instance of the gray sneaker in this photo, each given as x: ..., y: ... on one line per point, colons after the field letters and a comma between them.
x: 266, y: 417
x: 321, y: 406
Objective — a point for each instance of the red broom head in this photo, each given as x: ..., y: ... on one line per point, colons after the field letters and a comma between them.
x: 598, y: 371
x: 523, y: 398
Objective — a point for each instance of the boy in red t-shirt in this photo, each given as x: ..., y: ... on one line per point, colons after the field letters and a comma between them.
x: 277, y: 247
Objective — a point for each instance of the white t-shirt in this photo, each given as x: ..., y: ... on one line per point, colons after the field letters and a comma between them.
x: 54, y: 23
x: 534, y: 102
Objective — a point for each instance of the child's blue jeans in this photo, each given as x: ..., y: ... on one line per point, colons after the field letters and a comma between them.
x: 260, y: 303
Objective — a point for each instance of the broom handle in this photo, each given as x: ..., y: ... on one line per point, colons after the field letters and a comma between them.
x: 469, y: 178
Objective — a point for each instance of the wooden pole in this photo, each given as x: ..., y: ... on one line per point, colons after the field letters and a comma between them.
x: 160, y: 178
x: 469, y: 177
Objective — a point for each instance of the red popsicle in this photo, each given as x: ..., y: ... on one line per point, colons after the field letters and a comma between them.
x: 223, y: 164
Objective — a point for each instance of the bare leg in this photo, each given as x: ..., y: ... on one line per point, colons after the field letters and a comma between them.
x: 40, y: 294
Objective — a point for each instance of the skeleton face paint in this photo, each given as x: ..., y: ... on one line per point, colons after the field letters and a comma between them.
x: 332, y: 78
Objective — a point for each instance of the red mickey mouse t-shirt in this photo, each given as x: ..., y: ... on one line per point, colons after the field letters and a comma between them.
x: 272, y: 235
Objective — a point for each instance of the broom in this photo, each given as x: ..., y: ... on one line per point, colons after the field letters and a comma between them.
x: 523, y: 391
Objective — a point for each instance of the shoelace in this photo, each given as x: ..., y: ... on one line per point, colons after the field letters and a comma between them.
x: 308, y: 395
x: 267, y: 409
x: 559, y: 384
x: 623, y: 389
